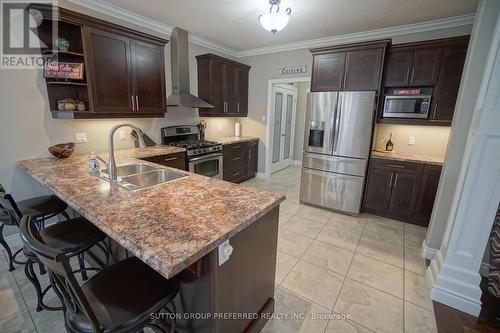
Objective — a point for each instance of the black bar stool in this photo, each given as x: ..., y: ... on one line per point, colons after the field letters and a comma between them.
x: 120, y: 298
x: 73, y: 237
x: 40, y: 208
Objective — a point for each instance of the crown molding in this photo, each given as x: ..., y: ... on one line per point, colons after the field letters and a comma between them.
x: 148, y: 23
x: 164, y: 29
x: 449, y: 22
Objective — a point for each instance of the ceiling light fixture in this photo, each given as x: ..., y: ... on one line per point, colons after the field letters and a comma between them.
x: 275, y: 21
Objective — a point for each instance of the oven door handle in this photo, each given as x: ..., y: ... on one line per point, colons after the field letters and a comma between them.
x: 204, y: 157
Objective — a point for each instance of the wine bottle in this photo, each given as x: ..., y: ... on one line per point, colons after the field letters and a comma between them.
x: 389, y: 146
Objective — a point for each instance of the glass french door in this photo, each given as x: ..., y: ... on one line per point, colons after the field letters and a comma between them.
x: 283, y: 126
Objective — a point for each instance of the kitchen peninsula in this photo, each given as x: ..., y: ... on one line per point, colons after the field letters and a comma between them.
x: 176, y: 228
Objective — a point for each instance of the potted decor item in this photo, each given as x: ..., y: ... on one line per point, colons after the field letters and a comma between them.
x: 62, y: 44
x: 80, y: 106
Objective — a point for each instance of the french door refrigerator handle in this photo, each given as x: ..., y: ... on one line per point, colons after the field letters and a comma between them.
x: 337, y: 116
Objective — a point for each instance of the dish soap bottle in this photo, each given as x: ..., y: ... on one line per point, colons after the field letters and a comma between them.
x: 389, y: 146
x: 93, y: 164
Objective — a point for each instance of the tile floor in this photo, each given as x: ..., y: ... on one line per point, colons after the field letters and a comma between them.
x: 334, y: 273
x: 337, y: 273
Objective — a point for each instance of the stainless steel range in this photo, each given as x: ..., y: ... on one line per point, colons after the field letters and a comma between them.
x: 204, y: 157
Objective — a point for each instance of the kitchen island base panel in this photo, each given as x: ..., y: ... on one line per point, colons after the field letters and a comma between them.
x: 242, y: 285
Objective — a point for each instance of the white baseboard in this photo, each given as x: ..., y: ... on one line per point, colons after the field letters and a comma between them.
x: 261, y: 175
x: 459, y: 293
x: 484, y: 270
x: 428, y: 252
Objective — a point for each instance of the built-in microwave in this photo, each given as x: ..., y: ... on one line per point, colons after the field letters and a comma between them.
x: 407, y: 103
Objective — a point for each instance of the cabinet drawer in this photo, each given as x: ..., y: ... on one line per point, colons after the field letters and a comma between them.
x: 396, y: 165
x: 235, y: 174
x: 235, y: 153
x: 177, y: 160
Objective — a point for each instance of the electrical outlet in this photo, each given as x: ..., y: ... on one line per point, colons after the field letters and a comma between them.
x: 122, y: 135
x: 411, y: 141
x: 81, y: 138
x: 263, y: 118
x: 219, y: 128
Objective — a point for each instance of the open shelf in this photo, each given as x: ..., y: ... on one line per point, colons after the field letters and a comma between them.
x: 64, y: 53
x: 68, y: 83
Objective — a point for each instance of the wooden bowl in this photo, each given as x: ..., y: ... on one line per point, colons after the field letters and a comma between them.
x: 62, y: 150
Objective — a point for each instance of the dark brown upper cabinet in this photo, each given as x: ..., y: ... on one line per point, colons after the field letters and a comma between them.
x: 127, y: 76
x: 224, y: 84
x: 436, y: 64
x: 124, y: 69
x: 148, y: 77
x: 409, y: 66
x: 446, y: 90
x: 398, y: 66
x: 348, y: 67
x: 328, y: 72
x: 110, y: 64
x: 425, y: 67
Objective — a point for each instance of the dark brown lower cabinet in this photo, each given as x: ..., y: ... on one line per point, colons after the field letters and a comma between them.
x: 428, y: 190
x: 176, y: 160
x: 401, y: 190
x: 240, y: 161
x: 404, y: 194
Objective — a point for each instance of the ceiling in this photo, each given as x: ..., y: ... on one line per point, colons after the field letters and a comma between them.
x: 235, y: 23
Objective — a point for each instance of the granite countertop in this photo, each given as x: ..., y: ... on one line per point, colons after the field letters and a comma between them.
x: 407, y: 157
x: 234, y: 139
x: 168, y: 226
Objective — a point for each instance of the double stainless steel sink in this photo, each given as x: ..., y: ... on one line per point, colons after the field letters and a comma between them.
x: 140, y: 175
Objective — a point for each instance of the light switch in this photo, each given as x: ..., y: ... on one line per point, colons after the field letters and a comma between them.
x: 411, y: 141
x: 81, y: 137
x: 122, y: 135
x: 263, y: 118
x: 219, y: 128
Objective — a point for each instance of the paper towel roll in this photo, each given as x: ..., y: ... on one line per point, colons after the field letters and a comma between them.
x: 237, y: 129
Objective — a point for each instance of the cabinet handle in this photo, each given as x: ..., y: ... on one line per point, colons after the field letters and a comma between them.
x: 133, y: 103
x: 434, y: 111
x: 396, y: 180
x: 225, y: 107
x: 238, y: 107
x: 236, y: 174
x: 345, y: 79
x: 396, y: 166
x: 390, y: 180
x: 236, y: 147
x: 137, y: 102
x: 412, y: 74
x: 235, y: 158
x: 249, y: 154
x: 169, y: 159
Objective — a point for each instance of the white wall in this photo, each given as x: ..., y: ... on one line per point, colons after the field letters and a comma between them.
x: 467, y: 96
x: 266, y: 67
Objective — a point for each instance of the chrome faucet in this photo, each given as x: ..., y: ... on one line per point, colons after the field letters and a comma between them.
x: 111, y: 165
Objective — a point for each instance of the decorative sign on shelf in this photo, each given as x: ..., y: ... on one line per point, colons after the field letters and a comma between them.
x: 64, y: 70
x: 406, y: 91
x: 293, y: 70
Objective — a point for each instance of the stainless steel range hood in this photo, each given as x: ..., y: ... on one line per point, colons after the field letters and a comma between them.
x: 179, y: 53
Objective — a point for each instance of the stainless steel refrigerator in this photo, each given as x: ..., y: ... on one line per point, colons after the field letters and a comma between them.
x: 337, y: 142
